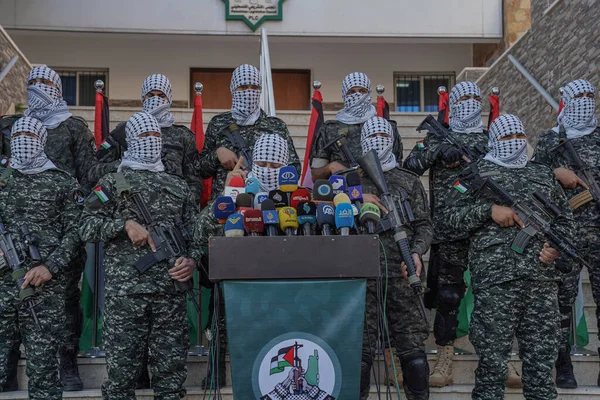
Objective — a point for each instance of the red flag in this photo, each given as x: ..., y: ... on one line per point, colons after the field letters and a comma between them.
x: 383, y: 108
x: 494, y: 109
x: 197, y: 126
x: 101, y: 118
x: 443, y: 108
x: 561, y: 105
x: 316, y: 120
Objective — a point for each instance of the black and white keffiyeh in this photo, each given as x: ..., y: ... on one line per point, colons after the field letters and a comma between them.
x: 269, y: 147
x: 143, y: 153
x: 156, y: 106
x: 383, y: 145
x: 510, y: 153
x: 358, y: 107
x: 245, y: 107
x: 46, y: 102
x: 465, y: 116
x: 578, y: 115
x: 27, y: 152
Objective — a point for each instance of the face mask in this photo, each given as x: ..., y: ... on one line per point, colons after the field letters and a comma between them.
x: 267, y: 177
x: 25, y: 149
x: 465, y: 114
x: 161, y: 110
x: 40, y: 96
x: 357, y: 104
x: 145, y: 150
x: 383, y: 145
x: 579, y: 111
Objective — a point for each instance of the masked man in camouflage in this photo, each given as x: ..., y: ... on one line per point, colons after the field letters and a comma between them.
x: 37, y: 195
x: 70, y: 146
x: 408, y: 331
x: 143, y: 310
x: 448, y: 259
x: 218, y: 156
x: 577, y: 125
x: 515, y: 294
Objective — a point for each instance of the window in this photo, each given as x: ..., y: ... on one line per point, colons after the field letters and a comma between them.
x: 418, y: 92
x: 78, y: 85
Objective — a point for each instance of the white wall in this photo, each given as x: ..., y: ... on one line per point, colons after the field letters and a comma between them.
x: 393, y: 18
x: 132, y: 57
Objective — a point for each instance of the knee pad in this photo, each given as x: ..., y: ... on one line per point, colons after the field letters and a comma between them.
x: 444, y: 328
x: 449, y: 297
x: 416, y: 372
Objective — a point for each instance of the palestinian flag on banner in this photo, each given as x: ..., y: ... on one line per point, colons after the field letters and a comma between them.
x: 583, y: 338
x: 465, y: 308
x: 284, y: 358
x: 316, y: 120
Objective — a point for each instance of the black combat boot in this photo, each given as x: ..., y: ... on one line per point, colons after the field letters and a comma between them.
x: 220, y: 379
x: 12, y: 384
x: 69, y: 372
x: 365, y: 378
x: 564, y: 370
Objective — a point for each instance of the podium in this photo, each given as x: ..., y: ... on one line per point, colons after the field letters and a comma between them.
x: 295, y: 309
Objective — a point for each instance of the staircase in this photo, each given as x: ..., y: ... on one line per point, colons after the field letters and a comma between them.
x: 93, y: 371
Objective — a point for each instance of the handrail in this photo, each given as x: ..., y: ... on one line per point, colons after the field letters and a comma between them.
x: 549, y: 99
x: 8, y: 67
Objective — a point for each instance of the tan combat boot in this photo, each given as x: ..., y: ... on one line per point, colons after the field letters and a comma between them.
x: 389, y: 376
x: 442, y: 370
x: 514, y: 379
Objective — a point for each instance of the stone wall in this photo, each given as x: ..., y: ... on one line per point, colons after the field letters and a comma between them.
x: 562, y: 45
x: 12, y: 88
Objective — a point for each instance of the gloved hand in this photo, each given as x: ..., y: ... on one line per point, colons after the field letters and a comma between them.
x: 450, y: 157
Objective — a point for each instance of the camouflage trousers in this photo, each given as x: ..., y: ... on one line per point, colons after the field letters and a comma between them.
x: 133, y: 323
x: 73, y: 311
x: 529, y: 310
x: 41, y: 343
x: 407, y: 329
x: 567, y: 291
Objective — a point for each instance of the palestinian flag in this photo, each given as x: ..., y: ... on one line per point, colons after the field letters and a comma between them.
x: 285, y: 358
x: 443, y: 107
x: 459, y: 186
x: 197, y: 126
x: 383, y: 108
x: 101, y: 119
x: 465, y: 308
x: 494, y: 109
x: 92, y: 296
x: 583, y: 338
x: 316, y: 120
x: 100, y: 193
x: 421, y: 144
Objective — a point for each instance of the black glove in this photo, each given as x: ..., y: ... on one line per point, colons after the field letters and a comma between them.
x: 450, y: 156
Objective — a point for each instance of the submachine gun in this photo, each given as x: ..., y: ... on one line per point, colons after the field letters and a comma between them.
x: 20, y: 250
x: 397, y: 220
x: 536, y: 214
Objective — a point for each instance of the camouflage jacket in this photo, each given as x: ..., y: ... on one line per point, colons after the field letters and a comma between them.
x: 321, y: 155
x: 424, y: 157
x: 50, y: 203
x: 589, y: 152
x: 70, y: 146
x: 167, y: 198
x: 420, y: 231
x: 178, y: 153
x: 491, y: 259
x: 208, y: 164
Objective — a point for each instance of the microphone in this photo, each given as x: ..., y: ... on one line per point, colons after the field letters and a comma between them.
x: 322, y: 191
x: 369, y: 217
x: 252, y: 186
x: 354, y: 189
x: 341, y: 198
x: 234, y: 226
x: 344, y: 218
x: 279, y: 198
x: 235, y: 187
x: 259, y: 198
x: 288, y: 221
x: 299, y: 195
x: 253, y: 222
x: 270, y: 217
x: 288, y: 179
x: 243, y: 203
x: 223, y: 208
x: 325, y: 218
x: 338, y: 183
x: 307, y: 216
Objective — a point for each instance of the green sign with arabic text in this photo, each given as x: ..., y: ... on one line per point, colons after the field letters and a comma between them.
x: 254, y: 12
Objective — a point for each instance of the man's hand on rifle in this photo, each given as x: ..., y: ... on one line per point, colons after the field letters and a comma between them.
x: 37, y: 276
x: 334, y: 167
x: 237, y: 171
x: 227, y: 158
x: 569, y: 179
x: 505, y: 216
x: 451, y: 157
x: 371, y: 198
x: 418, y: 264
x: 548, y: 254
x: 183, y: 269
x: 139, y: 235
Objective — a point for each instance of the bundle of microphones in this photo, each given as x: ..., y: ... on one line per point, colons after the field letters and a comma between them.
x: 335, y: 207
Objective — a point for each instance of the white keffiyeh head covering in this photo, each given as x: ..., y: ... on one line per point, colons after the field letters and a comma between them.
x: 143, y: 153
x: 358, y: 107
x: 383, y: 145
x: 27, y: 152
x: 245, y: 107
x: 578, y: 115
x: 46, y: 102
x: 269, y: 147
x: 156, y: 106
x: 510, y: 153
x: 465, y: 116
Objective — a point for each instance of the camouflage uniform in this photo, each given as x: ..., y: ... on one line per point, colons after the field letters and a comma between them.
x: 450, y: 246
x: 48, y: 203
x: 141, y: 309
x: 515, y: 294
x: 208, y: 164
x: 408, y: 330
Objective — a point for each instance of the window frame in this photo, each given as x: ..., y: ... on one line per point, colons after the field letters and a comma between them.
x: 80, y: 71
x: 421, y: 75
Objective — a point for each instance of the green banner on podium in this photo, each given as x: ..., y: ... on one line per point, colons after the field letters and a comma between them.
x: 295, y: 339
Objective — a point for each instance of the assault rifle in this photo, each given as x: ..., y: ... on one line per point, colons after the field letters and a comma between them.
x: 17, y: 251
x: 170, y: 242
x: 397, y: 220
x: 237, y: 142
x: 585, y: 173
x: 341, y: 145
x: 536, y: 215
